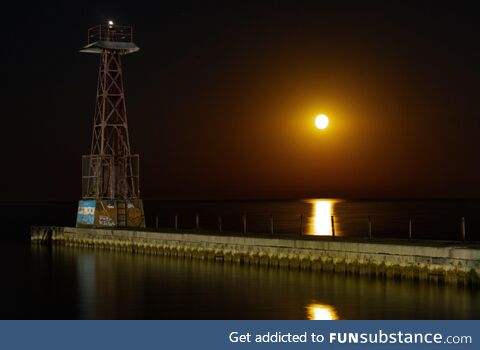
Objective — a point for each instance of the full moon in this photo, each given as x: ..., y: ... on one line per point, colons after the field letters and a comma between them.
x: 321, y: 121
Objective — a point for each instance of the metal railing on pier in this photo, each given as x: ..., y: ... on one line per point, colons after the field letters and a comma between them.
x: 367, y: 227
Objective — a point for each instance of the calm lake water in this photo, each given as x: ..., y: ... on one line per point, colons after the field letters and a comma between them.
x: 78, y: 283
x: 431, y: 219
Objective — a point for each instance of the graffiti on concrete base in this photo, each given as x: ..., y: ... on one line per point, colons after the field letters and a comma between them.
x: 105, y: 220
x: 86, y: 212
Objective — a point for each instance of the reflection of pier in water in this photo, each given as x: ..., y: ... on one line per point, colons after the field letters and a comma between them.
x: 321, y: 218
x: 104, y: 284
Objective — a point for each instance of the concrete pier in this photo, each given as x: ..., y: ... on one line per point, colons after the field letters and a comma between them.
x: 437, y: 262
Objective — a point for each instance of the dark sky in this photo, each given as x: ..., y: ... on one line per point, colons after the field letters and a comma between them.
x: 222, y: 96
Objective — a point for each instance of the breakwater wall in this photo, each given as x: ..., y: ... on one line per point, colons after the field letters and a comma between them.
x: 437, y: 262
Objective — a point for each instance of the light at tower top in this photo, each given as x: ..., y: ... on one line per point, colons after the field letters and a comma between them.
x: 110, y: 37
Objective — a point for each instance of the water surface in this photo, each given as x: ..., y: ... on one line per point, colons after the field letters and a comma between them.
x: 74, y: 283
x: 83, y: 283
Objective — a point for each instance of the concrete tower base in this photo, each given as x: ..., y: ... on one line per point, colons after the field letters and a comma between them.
x: 110, y: 213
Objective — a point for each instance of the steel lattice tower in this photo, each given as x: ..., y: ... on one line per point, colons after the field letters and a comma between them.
x: 110, y: 180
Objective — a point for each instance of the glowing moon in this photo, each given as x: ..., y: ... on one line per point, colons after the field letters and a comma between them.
x: 321, y: 121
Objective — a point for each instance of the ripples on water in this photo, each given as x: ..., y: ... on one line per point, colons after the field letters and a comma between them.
x: 91, y: 284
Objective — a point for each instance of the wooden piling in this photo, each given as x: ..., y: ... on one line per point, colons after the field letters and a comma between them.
x: 244, y: 221
x: 409, y: 228
x: 271, y: 224
x: 197, y: 221
x: 369, y: 227
x: 463, y: 228
x: 176, y: 222
x: 219, y: 221
x: 156, y: 222
x: 301, y: 225
x: 333, y: 226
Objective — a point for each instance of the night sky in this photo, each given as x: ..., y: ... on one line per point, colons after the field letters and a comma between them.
x: 222, y: 97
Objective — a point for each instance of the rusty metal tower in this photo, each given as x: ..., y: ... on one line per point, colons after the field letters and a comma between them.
x: 110, y: 173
